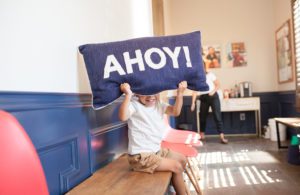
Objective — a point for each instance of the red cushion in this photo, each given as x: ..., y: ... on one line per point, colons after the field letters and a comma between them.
x: 184, y: 149
x: 181, y: 136
x: 20, y: 167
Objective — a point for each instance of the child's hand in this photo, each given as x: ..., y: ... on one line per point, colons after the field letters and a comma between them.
x: 125, y: 88
x: 181, y: 87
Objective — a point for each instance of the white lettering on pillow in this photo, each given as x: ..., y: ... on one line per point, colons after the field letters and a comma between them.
x: 149, y: 61
x: 113, y: 65
x: 130, y: 61
x: 187, y: 56
x: 173, y: 55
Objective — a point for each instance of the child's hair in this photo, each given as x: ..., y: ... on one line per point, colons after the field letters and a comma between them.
x: 157, y: 100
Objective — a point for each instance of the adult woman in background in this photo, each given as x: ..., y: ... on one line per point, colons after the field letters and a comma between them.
x: 209, y: 99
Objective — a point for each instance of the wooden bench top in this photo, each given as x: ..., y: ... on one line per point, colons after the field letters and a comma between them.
x: 117, y: 178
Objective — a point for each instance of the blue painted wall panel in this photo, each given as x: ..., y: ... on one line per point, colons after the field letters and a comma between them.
x: 232, y: 123
x: 231, y: 120
x: 107, y: 144
x: 73, y: 140
x: 60, y: 127
x: 60, y: 135
x: 273, y: 104
x: 269, y: 106
x: 288, y: 104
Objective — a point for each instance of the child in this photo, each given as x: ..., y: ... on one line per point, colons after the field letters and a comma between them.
x: 145, y: 132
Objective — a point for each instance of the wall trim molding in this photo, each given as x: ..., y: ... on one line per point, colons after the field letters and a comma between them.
x: 73, y: 169
x: 23, y: 101
x: 107, y: 128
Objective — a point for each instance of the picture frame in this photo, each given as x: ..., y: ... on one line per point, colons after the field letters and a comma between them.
x: 236, y: 54
x: 284, y: 53
x: 211, y: 55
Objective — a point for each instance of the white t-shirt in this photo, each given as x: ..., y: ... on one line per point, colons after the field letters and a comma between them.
x: 145, y: 127
x: 210, y: 78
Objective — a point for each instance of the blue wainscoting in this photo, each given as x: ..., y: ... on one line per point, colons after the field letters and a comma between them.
x: 287, y: 104
x: 269, y: 106
x: 71, y: 138
x: 277, y: 104
x: 273, y: 104
x: 106, y: 142
x: 232, y: 124
x: 186, y: 116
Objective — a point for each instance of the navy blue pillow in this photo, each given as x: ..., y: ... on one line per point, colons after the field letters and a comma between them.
x: 150, y: 65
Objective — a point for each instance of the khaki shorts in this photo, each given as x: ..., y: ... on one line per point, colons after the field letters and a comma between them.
x: 147, y: 162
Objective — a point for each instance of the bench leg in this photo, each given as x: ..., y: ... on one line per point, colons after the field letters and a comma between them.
x: 187, y: 190
x: 194, y: 175
x: 195, y: 167
x: 193, y: 178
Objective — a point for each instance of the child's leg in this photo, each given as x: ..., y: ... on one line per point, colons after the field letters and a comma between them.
x: 177, y: 178
x: 177, y: 156
x: 165, y: 160
x: 176, y: 163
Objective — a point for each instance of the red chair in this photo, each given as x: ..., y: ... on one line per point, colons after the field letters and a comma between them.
x: 181, y: 136
x: 189, y: 152
x: 20, y: 167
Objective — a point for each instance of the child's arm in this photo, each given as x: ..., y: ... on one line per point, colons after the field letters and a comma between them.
x: 176, y: 108
x: 123, y: 112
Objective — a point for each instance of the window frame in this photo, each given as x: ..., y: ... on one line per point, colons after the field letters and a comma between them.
x: 296, y: 48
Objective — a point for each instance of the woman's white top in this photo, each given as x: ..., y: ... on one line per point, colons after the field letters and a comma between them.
x: 210, y: 78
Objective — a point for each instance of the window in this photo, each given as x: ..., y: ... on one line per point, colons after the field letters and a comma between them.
x: 296, y: 30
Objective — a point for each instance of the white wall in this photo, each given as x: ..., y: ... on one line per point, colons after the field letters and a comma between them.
x: 39, y: 39
x: 250, y: 21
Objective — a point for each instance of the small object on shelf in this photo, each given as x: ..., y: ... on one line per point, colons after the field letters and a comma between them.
x: 226, y: 93
x: 245, y: 89
x: 236, y: 91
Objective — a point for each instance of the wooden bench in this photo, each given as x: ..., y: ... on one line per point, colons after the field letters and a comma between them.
x: 118, y: 178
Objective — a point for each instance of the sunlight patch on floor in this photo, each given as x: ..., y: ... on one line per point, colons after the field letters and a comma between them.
x: 206, y: 158
x: 222, y: 178
x: 228, y: 176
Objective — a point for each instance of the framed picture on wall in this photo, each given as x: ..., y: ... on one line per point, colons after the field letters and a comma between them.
x: 284, y: 53
x: 212, y: 55
x: 236, y: 54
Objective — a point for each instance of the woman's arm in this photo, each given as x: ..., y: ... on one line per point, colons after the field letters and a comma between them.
x: 194, y: 97
x: 123, y: 111
x: 176, y: 108
x: 217, y: 87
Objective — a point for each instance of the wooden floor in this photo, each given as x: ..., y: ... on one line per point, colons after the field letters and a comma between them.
x: 247, y: 166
